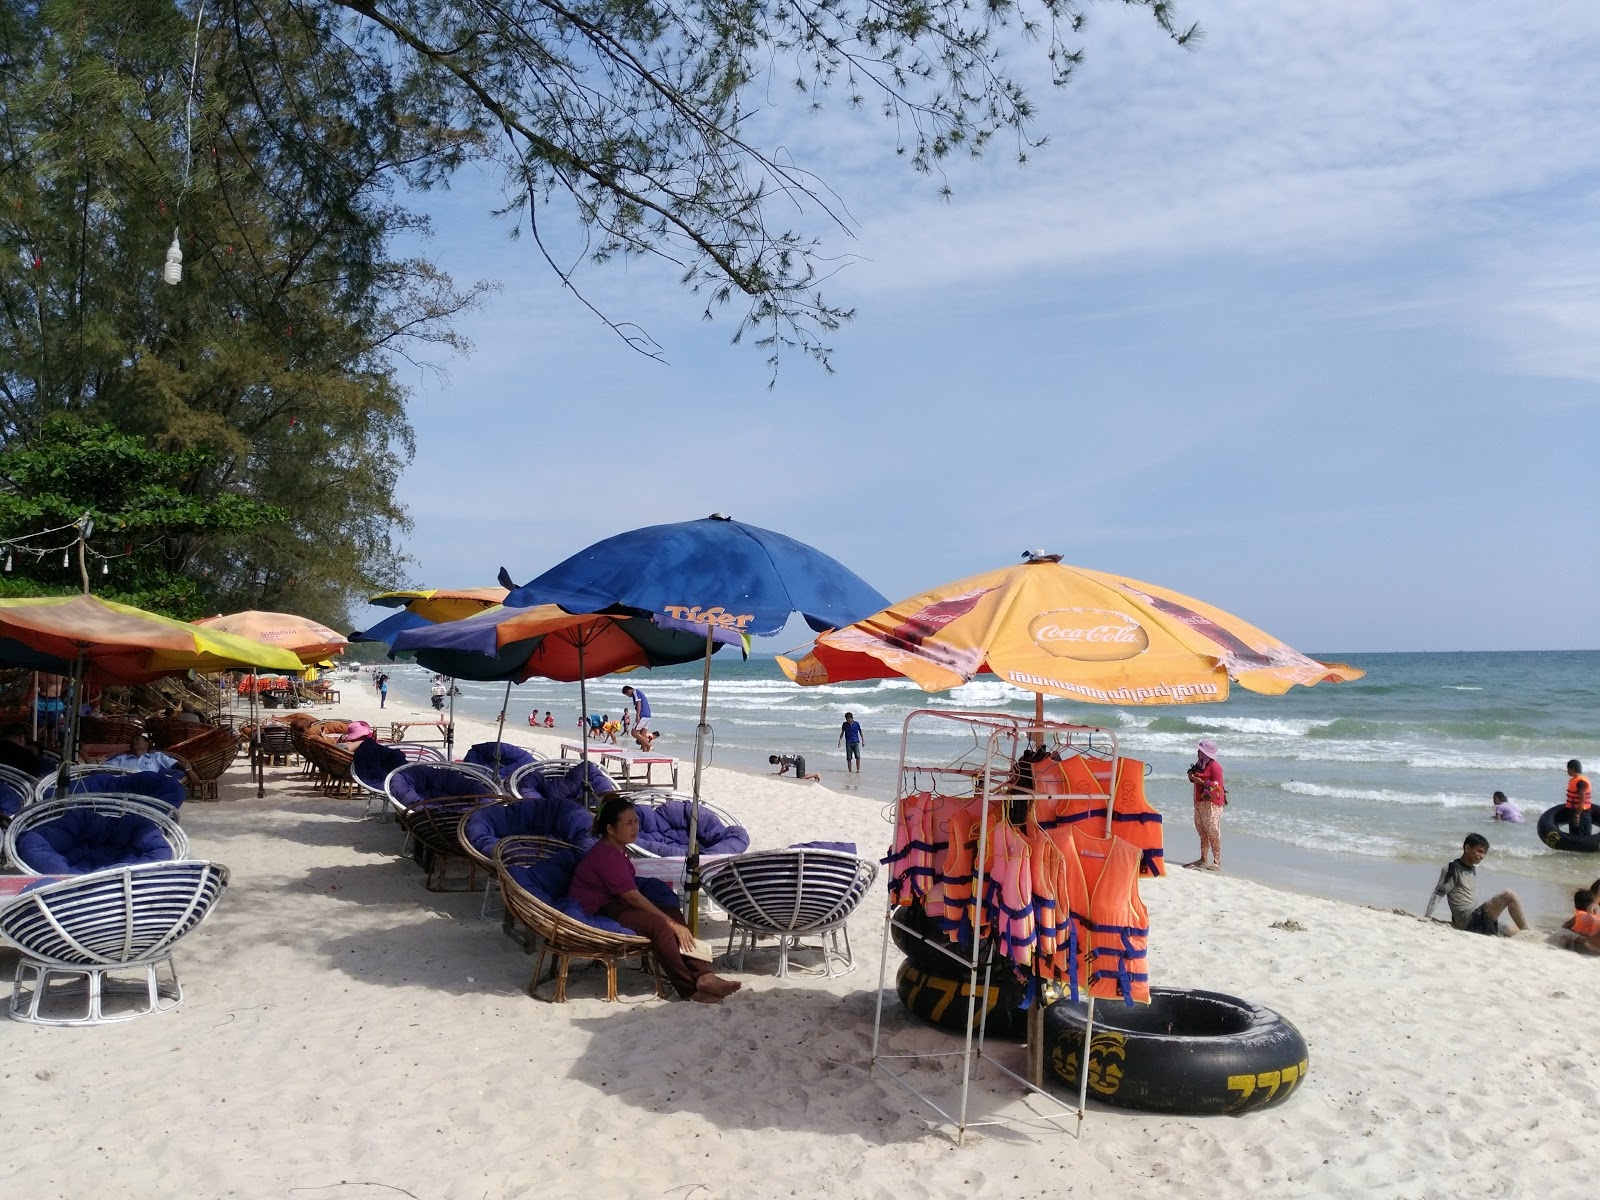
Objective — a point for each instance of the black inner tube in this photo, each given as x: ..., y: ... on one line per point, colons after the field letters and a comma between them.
x: 1179, y: 1014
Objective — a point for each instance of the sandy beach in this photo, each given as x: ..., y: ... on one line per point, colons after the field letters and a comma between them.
x: 348, y: 1034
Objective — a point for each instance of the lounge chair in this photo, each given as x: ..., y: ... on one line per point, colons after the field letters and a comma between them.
x: 45, y: 786
x: 435, y: 829
x: 554, y: 817
x: 210, y: 752
x: 127, y: 918
x: 415, y: 782
x: 535, y: 877
x: 790, y: 894
x: 560, y: 778
x: 75, y: 835
x: 165, y: 790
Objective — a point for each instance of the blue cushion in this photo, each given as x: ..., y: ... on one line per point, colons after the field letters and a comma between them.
x: 575, y: 910
x: 659, y: 892
x: 11, y: 799
x: 511, y: 757
x: 165, y: 786
x: 432, y: 781
x: 664, y: 830
x: 551, y: 881
x: 78, y: 842
x: 841, y: 847
x: 373, y: 761
x: 559, y: 819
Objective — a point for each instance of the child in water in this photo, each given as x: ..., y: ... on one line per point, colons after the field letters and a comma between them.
x: 1504, y: 810
x: 1581, y: 932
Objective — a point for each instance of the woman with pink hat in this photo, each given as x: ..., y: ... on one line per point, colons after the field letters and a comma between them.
x: 1209, y: 798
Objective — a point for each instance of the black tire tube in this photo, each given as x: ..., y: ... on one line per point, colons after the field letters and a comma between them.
x: 913, y: 929
x: 941, y: 998
x: 1553, y: 835
x: 1190, y: 1052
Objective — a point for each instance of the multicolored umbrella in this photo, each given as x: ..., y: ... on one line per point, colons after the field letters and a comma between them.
x: 310, y: 641
x: 715, y: 575
x: 441, y: 604
x: 1064, y: 631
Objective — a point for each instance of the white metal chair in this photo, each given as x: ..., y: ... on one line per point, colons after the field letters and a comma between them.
x: 790, y: 894
x: 106, y: 805
x: 93, y: 926
x: 538, y: 769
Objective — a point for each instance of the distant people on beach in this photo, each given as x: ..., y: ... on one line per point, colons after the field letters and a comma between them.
x: 609, y: 729
x: 1457, y: 886
x: 383, y: 691
x: 851, y: 738
x: 436, y: 694
x: 627, y: 720
x: 549, y: 719
x: 1209, y: 798
x: 1580, y: 799
x: 787, y: 762
x: 645, y: 739
x: 1504, y: 810
x: 641, y: 707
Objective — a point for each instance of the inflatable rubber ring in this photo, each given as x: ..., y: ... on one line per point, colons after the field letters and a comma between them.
x: 1188, y: 1052
x: 941, y: 998
x: 1553, y: 835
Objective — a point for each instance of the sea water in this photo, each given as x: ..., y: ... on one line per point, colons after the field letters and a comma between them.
x: 1359, y: 791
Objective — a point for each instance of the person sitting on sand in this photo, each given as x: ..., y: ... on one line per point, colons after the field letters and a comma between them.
x: 605, y: 885
x: 645, y: 738
x: 785, y: 761
x: 1457, y: 884
x: 1504, y: 810
x: 549, y: 719
x: 1581, y: 931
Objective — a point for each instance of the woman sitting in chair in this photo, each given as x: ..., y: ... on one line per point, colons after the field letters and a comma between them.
x: 606, y: 886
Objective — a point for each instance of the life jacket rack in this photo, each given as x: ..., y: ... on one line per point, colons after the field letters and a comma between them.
x: 993, y: 772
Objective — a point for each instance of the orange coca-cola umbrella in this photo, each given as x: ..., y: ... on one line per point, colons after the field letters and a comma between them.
x: 1059, y: 630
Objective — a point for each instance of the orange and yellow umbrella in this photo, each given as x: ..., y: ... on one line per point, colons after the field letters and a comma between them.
x: 310, y: 641
x: 1064, y: 631
x: 441, y: 604
x: 119, y: 643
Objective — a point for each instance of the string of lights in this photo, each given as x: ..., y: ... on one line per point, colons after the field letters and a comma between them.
x: 82, y: 529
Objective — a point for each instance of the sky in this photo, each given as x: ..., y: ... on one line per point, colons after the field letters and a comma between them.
x: 1303, y: 321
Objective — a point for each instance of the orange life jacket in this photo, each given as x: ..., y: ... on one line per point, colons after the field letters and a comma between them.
x: 1585, y: 923
x: 1008, y: 894
x: 952, y: 898
x: 1574, y: 800
x: 1113, y: 925
x: 910, y: 858
x: 1074, y: 791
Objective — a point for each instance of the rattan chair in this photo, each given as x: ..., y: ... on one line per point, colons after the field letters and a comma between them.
x: 435, y: 829
x: 562, y: 936
x: 209, y: 753
x: 93, y: 926
x: 429, y: 779
x: 109, y: 731
x: 275, y: 745
x: 16, y: 792
x: 790, y: 894
x: 538, y: 769
x: 109, y: 806
x: 483, y: 828
x: 374, y: 790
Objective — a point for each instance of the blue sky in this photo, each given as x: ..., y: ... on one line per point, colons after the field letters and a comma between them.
x: 1304, y: 322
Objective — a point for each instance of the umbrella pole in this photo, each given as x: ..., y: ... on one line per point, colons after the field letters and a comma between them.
x: 70, y: 750
x: 701, y: 732
x: 583, y: 724
x: 501, y: 732
x: 450, y: 723
x: 255, y: 737
x: 36, y: 708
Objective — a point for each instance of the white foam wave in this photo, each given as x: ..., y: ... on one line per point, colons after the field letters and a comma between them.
x: 1383, y: 795
x: 1275, y: 726
x: 1461, y: 687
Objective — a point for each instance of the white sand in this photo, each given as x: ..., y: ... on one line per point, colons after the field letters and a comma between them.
x: 348, y: 1034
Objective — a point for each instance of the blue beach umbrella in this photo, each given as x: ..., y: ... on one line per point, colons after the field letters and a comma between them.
x: 391, y: 627
x: 707, y: 575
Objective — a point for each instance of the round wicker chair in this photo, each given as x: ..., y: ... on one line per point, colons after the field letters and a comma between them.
x: 44, y: 788
x: 110, y: 807
x: 435, y: 829
x: 109, y: 730
x: 210, y: 753
x: 562, y: 935
x: 123, y: 919
x: 16, y: 791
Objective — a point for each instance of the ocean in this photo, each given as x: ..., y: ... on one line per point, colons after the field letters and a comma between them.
x: 1355, y: 791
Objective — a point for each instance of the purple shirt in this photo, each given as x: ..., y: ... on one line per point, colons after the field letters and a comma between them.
x: 1507, y: 811
x: 604, y: 874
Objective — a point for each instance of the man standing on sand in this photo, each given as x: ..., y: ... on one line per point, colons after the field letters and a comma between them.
x: 850, y: 736
x: 1457, y: 884
x: 641, y: 709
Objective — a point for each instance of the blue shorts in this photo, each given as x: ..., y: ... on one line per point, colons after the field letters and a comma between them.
x: 852, y: 753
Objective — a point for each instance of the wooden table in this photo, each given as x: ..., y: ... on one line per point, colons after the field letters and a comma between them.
x: 400, y: 731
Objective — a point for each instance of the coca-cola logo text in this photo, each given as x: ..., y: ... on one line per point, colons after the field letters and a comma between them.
x: 1089, y: 634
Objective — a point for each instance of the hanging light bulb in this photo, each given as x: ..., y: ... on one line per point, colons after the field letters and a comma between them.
x: 8, y: 561
x: 66, y: 558
x: 172, y: 273
x: 105, y: 567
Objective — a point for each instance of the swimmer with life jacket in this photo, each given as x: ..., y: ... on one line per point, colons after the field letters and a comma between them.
x: 1582, y: 929
x: 1580, y: 799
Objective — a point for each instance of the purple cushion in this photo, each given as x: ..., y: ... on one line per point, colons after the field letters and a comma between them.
x: 10, y: 799
x: 511, y: 757
x: 79, y: 841
x: 559, y: 819
x: 551, y: 881
x: 841, y: 847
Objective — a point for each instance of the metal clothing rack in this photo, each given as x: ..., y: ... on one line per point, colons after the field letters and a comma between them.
x: 990, y: 766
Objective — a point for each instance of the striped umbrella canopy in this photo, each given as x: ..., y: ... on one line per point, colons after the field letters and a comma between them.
x: 441, y: 604
x: 310, y: 641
